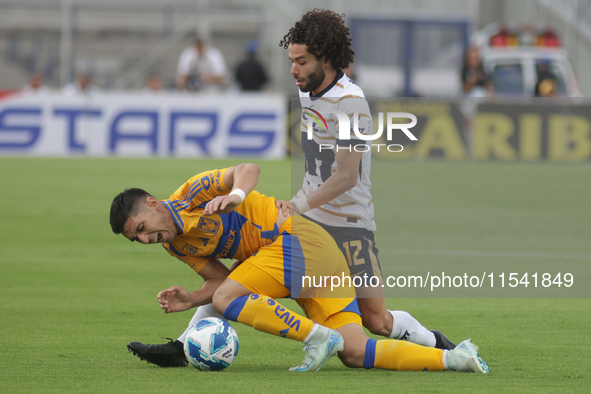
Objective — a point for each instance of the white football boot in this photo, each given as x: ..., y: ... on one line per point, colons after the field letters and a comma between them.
x: 321, y: 346
x: 465, y: 358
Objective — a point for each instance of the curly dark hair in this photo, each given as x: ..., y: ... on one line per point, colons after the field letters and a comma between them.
x: 326, y: 36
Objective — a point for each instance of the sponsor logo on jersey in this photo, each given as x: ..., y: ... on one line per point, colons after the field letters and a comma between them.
x: 228, y: 245
x: 208, y: 225
x: 217, y: 182
x: 205, y: 182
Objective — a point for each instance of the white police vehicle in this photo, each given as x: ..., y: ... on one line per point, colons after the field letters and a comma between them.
x: 517, y: 59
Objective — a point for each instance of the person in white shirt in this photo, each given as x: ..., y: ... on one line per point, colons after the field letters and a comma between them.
x: 201, y: 67
x: 82, y: 85
x: 154, y: 85
x: 336, y: 192
x: 35, y: 86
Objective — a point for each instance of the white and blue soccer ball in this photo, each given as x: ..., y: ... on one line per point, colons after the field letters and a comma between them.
x: 211, y: 344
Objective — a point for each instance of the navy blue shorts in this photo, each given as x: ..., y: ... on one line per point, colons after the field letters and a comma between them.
x: 359, y: 248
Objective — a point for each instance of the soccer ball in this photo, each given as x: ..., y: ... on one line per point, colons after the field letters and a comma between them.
x: 211, y: 344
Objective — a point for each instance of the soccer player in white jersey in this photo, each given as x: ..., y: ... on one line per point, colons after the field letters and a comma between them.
x: 336, y: 191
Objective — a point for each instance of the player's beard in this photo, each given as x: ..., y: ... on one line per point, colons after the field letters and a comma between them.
x: 314, y: 79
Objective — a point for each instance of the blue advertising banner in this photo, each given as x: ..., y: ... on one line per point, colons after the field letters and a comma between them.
x: 136, y: 124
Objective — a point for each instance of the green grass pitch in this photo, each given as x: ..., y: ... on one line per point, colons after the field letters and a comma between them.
x: 73, y: 294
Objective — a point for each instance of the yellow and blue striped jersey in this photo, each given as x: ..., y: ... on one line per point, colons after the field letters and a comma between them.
x: 235, y: 235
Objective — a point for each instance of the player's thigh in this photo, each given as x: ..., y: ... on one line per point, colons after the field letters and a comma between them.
x: 322, y: 309
x: 315, y: 267
x: 261, y: 274
x: 368, y: 291
x: 228, y: 291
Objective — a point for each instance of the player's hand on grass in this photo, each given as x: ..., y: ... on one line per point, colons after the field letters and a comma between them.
x: 221, y: 205
x: 283, y: 206
x: 174, y: 299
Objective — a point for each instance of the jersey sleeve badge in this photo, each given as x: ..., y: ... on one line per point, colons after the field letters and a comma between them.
x: 208, y: 225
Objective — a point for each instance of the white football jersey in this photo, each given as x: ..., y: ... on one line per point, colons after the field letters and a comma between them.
x: 353, y: 208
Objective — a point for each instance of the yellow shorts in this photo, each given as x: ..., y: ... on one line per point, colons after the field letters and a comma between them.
x: 302, y: 250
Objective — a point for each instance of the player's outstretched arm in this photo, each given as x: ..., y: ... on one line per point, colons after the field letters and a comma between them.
x: 344, y: 178
x: 242, y: 179
x: 177, y: 298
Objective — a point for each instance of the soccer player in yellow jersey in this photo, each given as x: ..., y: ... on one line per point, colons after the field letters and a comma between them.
x: 217, y: 214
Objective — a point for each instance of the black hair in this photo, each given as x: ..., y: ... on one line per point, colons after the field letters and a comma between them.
x: 124, y: 205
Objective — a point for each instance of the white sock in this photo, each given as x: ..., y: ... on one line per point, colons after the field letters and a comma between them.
x: 202, y: 312
x: 312, y: 332
x: 407, y: 328
x: 445, y: 364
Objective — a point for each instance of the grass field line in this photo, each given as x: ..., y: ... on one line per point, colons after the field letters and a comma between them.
x: 488, y: 253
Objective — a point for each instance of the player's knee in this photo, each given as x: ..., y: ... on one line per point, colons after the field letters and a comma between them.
x: 220, y: 301
x: 377, y: 324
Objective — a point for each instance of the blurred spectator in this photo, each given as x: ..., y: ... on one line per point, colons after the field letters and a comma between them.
x: 200, y: 67
x: 546, y: 84
x: 475, y: 81
x: 82, y: 85
x: 154, y: 85
x: 250, y: 73
x: 35, y: 86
